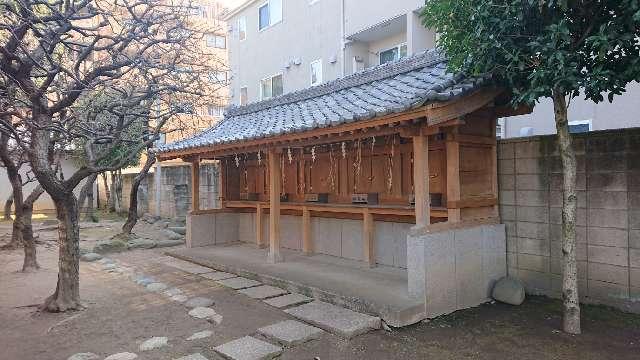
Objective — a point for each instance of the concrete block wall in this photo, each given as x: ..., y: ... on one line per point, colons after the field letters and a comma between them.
x: 455, y: 269
x: 608, y: 221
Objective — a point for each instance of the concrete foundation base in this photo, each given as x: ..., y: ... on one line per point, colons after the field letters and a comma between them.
x: 455, y: 269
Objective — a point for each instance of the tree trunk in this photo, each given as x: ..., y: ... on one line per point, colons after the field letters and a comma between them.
x: 132, y: 216
x: 118, y: 191
x: 30, y: 260
x: 90, y: 214
x: 7, y: 207
x: 107, y: 192
x: 86, y: 194
x: 16, y: 186
x: 570, y: 298
x: 113, y: 198
x: 67, y: 294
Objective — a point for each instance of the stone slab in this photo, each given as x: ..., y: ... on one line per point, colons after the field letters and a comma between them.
x: 248, y: 348
x: 196, y: 356
x: 287, y: 300
x: 239, y: 283
x: 218, y: 275
x: 207, y: 314
x: 83, y: 356
x: 263, y: 292
x: 291, y: 332
x: 334, y: 319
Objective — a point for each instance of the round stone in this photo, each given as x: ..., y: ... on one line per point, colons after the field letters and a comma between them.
x: 154, y: 343
x: 157, y: 286
x: 122, y: 356
x: 90, y: 257
x: 200, y: 335
x: 84, y: 356
x: 179, y: 298
x: 509, y: 290
x: 198, y: 302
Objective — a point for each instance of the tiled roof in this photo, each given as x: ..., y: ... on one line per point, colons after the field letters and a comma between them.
x: 390, y: 88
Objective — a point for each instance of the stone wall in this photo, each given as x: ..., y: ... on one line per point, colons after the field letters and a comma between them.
x: 175, y: 192
x: 608, y: 222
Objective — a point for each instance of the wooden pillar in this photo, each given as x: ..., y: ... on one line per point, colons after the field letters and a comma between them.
x: 222, y: 182
x: 453, y: 176
x: 259, y: 241
x: 494, y: 166
x: 307, y: 244
x: 195, y: 185
x: 368, y: 238
x: 274, y: 206
x: 421, y: 180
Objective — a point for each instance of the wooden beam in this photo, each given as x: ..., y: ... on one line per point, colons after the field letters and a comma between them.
x: 275, y: 175
x: 441, y: 112
x: 368, y: 238
x: 195, y: 185
x: 259, y: 240
x: 453, y: 175
x: 421, y: 180
x: 307, y: 244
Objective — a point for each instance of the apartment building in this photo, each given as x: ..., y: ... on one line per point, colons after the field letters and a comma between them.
x: 280, y: 46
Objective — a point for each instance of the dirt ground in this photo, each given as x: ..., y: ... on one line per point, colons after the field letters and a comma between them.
x: 121, y: 314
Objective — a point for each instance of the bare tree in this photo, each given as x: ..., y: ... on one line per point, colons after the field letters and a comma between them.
x: 56, y: 52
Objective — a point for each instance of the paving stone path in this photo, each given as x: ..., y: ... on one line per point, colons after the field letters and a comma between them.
x: 279, y: 336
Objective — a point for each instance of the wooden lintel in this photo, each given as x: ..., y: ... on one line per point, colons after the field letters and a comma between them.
x: 474, y: 139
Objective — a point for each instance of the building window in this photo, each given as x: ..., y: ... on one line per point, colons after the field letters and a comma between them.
x: 242, y: 28
x: 218, y: 77
x: 270, y: 13
x: 216, y: 41
x: 215, y: 110
x: 243, y: 95
x: 580, y: 126
x: 271, y: 87
x: 393, y: 54
x: 316, y: 72
x: 500, y: 129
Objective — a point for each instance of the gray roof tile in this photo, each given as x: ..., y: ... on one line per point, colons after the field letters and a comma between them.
x: 384, y: 89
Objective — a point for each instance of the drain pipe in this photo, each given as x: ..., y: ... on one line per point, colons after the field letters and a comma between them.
x: 342, y: 39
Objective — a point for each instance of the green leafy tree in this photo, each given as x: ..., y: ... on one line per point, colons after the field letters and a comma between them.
x: 546, y: 49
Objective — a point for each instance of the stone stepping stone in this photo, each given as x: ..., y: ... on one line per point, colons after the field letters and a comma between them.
x: 90, y: 257
x: 122, y: 356
x: 200, y: 335
x: 157, y: 286
x: 239, y: 283
x: 179, y: 298
x: 109, y: 266
x: 287, y: 300
x: 335, y: 319
x: 291, y: 332
x: 196, y: 356
x: 207, y: 314
x: 154, y: 343
x: 84, y: 356
x: 172, y: 292
x: 218, y: 275
x: 189, y: 267
x: 144, y: 281
x: 198, y: 302
x: 248, y: 348
x: 262, y: 292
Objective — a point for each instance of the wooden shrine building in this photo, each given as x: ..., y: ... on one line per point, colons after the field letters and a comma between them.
x: 392, y: 152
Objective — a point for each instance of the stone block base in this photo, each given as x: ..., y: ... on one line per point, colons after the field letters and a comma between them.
x: 455, y: 269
